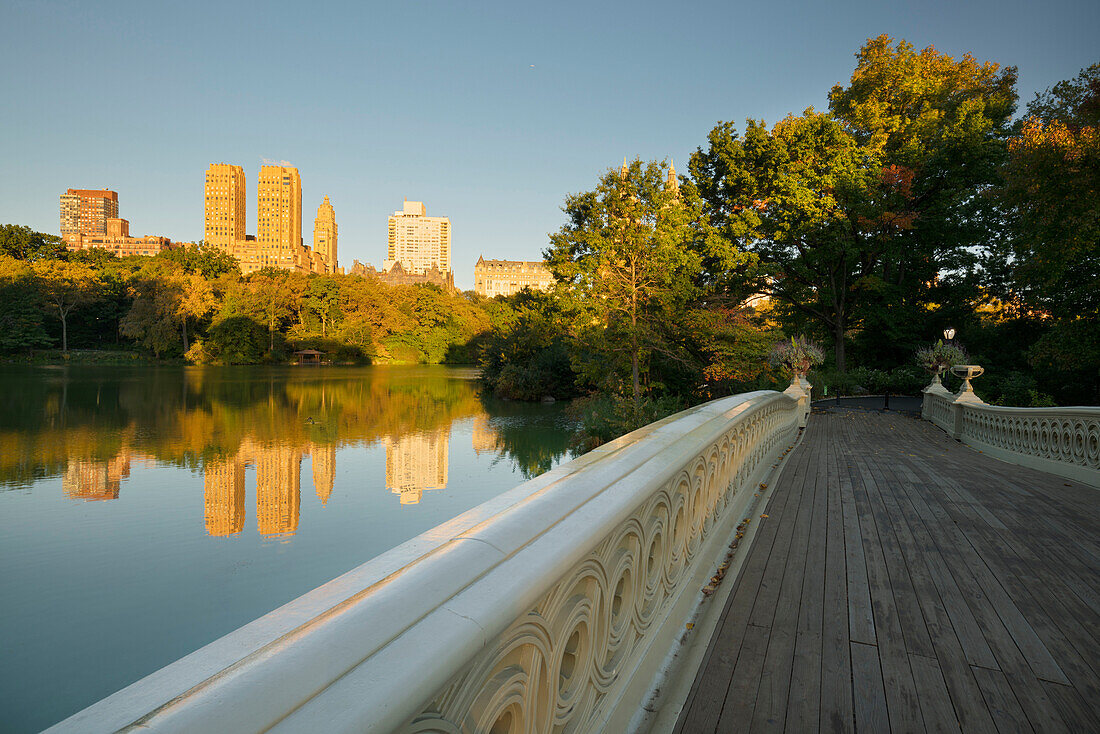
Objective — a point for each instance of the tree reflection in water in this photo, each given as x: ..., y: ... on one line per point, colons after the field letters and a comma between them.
x: 89, y: 424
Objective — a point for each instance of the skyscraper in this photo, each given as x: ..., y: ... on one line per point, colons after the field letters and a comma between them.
x: 324, y: 235
x: 224, y: 196
x: 86, y: 211
x: 417, y: 241
x: 279, y: 217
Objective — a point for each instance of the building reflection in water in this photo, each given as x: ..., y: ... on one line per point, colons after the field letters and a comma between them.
x: 224, y: 496
x: 230, y: 425
x: 278, y: 486
x: 485, y: 437
x: 278, y: 489
x: 87, y: 479
x: 324, y: 471
x: 416, y: 462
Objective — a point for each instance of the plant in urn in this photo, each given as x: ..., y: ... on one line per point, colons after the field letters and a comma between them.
x: 938, y: 358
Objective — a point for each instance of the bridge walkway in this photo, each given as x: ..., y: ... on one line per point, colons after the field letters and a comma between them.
x: 901, y: 581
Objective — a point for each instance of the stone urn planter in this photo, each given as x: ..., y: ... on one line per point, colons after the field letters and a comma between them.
x: 967, y: 372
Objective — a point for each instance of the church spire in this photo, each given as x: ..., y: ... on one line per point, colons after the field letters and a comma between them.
x: 673, y: 183
x: 623, y: 170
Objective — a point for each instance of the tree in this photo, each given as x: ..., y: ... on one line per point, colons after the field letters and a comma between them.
x: 164, y: 300
x: 1052, y: 197
x: 209, y: 261
x: 861, y: 210
x: 527, y: 356
x: 1050, y: 258
x: 236, y: 340
x: 322, y: 302
x: 64, y: 286
x: 627, y: 259
x: 23, y: 243
x: 20, y: 307
x: 801, y: 197
x: 196, y: 301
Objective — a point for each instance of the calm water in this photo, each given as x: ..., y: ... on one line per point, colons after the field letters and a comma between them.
x: 147, y: 511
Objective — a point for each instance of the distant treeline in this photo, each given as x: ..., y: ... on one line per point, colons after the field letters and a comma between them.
x: 193, y: 304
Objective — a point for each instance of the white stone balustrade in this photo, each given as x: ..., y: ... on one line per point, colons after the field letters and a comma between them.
x: 552, y: 607
x: 1061, y: 441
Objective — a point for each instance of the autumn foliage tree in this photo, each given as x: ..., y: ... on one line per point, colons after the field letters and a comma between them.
x: 1051, y: 252
x: 64, y: 286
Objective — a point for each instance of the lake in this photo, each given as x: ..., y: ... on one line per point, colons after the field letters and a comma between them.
x: 146, y: 511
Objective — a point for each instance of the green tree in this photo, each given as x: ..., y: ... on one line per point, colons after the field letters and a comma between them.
x: 209, y: 261
x: 322, y: 302
x: 798, y: 195
x: 527, y: 356
x: 20, y: 307
x: 1052, y: 196
x: 628, y: 259
x: 236, y: 340
x: 861, y: 211
x: 23, y: 243
x: 64, y: 286
x: 164, y: 301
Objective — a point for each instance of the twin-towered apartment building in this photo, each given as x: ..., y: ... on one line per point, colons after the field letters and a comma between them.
x: 278, y: 240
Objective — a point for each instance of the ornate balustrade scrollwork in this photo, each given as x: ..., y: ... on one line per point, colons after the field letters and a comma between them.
x: 535, y: 612
x: 1063, y: 441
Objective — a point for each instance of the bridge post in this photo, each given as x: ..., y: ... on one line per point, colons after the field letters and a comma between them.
x: 800, y: 391
x: 966, y: 396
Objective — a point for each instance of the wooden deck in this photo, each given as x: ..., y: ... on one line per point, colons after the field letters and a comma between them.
x: 901, y: 581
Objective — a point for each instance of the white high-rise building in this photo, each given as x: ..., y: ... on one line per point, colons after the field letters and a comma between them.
x: 418, y: 241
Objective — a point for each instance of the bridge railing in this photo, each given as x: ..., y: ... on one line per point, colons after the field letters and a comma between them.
x: 552, y: 607
x: 1061, y: 441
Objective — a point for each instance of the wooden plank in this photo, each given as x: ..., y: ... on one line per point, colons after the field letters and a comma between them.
x: 740, y: 701
x: 771, y: 583
x: 804, y: 697
x: 967, y: 630
x: 1013, y: 620
x: 1071, y: 704
x: 867, y: 690
x: 775, y: 677
x: 1040, y: 598
x: 974, y: 586
x: 935, y: 701
x: 836, y: 714
x: 861, y: 621
x: 901, y: 694
x: 952, y: 546
x: 703, y: 707
x: 1001, y: 701
x: 910, y: 616
x: 963, y: 691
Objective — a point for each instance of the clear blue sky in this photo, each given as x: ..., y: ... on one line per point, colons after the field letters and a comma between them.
x: 490, y: 112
